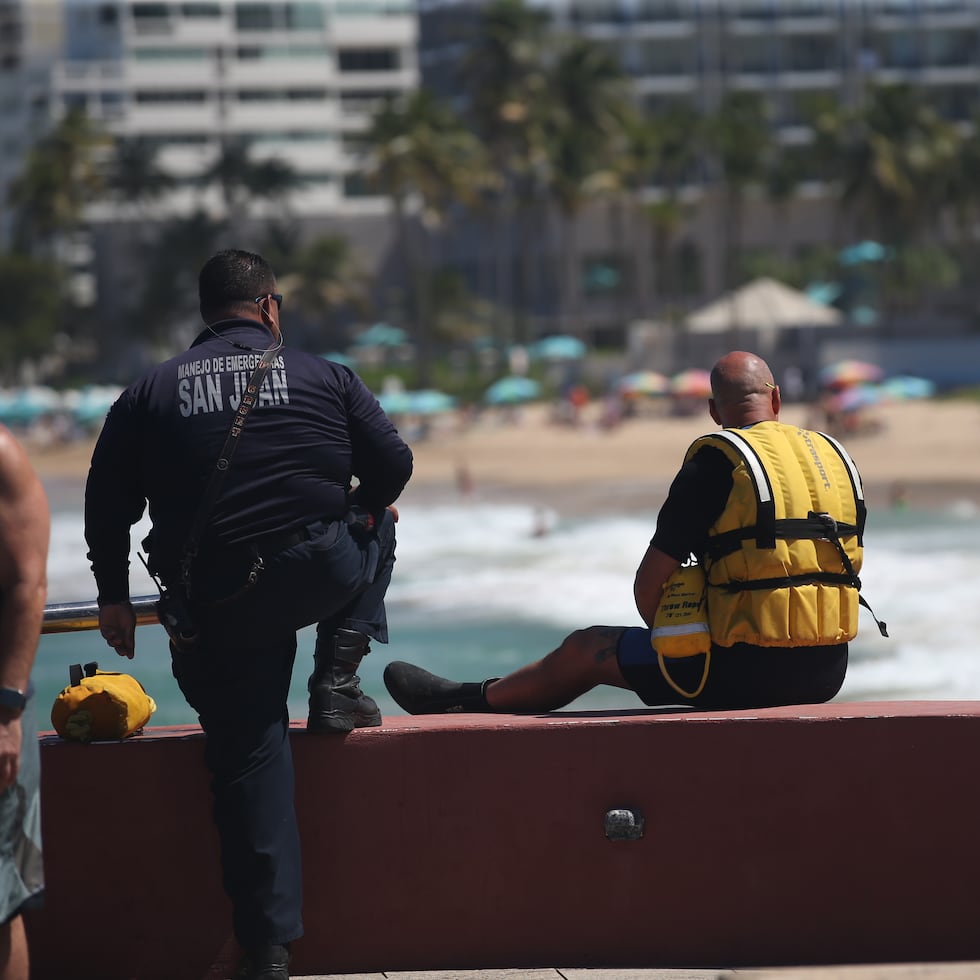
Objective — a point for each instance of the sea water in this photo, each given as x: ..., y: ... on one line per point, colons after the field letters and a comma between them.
x: 480, y: 588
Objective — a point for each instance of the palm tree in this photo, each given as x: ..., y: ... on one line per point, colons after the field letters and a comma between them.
x: 584, y: 125
x: 425, y: 160
x: 660, y: 154
x: 739, y: 135
x: 503, y: 76
x: 31, y: 313
x: 321, y: 279
x: 61, y: 175
x: 242, y: 179
x: 166, y: 295
x: 134, y: 177
x: 893, y: 160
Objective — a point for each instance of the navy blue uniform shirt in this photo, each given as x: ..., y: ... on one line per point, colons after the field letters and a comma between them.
x: 314, y: 427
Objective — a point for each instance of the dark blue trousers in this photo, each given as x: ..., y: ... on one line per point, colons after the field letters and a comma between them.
x: 237, y: 679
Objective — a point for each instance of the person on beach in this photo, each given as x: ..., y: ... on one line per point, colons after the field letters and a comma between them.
x: 25, y: 528
x: 250, y: 549
x: 774, y: 515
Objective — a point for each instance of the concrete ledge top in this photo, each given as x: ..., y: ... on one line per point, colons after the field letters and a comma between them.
x: 812, y: 713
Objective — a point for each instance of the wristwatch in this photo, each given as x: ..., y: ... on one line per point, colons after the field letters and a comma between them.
x: 13, y: 698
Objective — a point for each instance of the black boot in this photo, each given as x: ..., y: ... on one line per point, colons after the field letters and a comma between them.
x: 337, y: 703
x: 265, y: 963
x: 420, y: 693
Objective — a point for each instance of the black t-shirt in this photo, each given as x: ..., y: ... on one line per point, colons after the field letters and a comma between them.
x: 696, y: 499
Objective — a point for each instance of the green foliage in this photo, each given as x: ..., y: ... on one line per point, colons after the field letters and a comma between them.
x: 31, y: 312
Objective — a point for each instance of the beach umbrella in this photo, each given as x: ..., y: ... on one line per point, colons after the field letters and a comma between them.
x: 382, y: 335
x: 396, y: 402
x: 856, y: 397
x: 692, y: 383
x: 92, y: 403
x: 24, y: 405
x: 861, y: 252
x: 844, y: 374
x: 512, y: 390
x: 429, y: 401
x: 560, y: 347
x: 904, y: 387
x: 650, y: 383
x: 338, y: 358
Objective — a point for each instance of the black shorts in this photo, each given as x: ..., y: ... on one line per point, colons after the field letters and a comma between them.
x: 739, y: 676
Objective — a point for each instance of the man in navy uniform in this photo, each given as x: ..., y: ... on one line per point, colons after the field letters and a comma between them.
x: 288, y: 541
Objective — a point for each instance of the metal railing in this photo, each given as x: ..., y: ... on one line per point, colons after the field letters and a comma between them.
x: 71, y: 617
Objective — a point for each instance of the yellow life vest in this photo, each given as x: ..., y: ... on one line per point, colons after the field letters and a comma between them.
x: 783, y: 558
x: 100, y: 705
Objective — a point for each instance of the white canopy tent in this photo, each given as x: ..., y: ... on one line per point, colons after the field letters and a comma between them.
x: 764, y: 305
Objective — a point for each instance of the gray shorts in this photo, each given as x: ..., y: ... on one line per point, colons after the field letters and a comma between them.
x: 21, y: 866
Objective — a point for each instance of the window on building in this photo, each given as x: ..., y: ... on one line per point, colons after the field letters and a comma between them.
x: 149, y: 16
x: 373, y: 8
x: 355, y: 185
x: 255, y: 17
x: 171, y: 54
x: 304, y: 16
x: 754, y: 9
x: 676, y: 56
x: 899, y: 49
x: 368, y: 59
x: 752, y: 55
x: 950, y: 49
x: 661, y: 10
x: 202, y: 11
x: 282, y: 53
x: 808, y: 8
x: 819, y: 52
x: 306, y: 94
x: 171, y: 97
x: 364, y: 100
x: 279, y: 17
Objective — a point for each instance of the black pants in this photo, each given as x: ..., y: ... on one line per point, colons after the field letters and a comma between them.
x: 237, y: 680
x: 740, y: 676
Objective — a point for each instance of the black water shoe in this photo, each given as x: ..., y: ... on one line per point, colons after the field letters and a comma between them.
x: 420, y: 693
x: 265, y: 963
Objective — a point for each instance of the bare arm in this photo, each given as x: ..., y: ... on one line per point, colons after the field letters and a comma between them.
x: 655, y: 568
x: 25, y: 528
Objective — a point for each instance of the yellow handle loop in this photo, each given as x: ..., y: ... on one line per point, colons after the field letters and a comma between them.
x: 676, y: 686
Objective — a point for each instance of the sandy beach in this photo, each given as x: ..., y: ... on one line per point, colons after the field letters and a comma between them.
x: 925, y: 453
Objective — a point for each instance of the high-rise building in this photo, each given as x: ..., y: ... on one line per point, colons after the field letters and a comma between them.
x: 30, y: 40
x: 695, y: 52
x: 294, y: 80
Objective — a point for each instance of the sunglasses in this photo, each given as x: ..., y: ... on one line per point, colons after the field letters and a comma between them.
x: 276, y: 296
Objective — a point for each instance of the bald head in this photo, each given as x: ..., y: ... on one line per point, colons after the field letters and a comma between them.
x: 742, y: 390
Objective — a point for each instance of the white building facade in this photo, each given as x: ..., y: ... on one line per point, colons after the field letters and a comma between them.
x: 295, y: 80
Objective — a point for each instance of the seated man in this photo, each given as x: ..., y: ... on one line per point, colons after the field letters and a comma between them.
x: 775, y: 515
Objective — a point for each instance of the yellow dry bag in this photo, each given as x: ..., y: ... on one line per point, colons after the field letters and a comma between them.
x: 680, y: 626
x: 100, y: 705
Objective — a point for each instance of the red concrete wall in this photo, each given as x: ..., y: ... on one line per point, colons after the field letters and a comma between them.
x: 839, y: 833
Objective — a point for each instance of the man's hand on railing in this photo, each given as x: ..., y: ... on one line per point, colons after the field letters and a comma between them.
x: 117, y: 623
